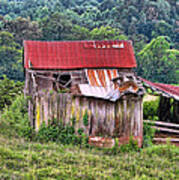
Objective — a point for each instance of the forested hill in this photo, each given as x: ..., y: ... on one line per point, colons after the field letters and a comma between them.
x: 142, y: 21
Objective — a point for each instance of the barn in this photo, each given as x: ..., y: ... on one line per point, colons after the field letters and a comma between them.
x: 88, y: 84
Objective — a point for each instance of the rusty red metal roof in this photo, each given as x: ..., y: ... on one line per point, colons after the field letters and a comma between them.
x: 166, y: 89
x: 78, y: 54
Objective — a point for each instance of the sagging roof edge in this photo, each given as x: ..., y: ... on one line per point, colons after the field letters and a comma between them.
x: 170, y: 92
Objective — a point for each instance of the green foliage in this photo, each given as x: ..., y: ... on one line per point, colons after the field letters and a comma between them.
x: 156, y: 62
x: 59, y: 133
x: 8, y: 91
x: 132, y: 146
x: 139, y: 21
x: 26, y: 160
x: 85, y: 118
x: 23, y: 29
x: 148, y: 134
x: 150, y: 109
x: 15, y: 120
x: 10, y: 57
x: 55, y: 27
x: 104, y: 33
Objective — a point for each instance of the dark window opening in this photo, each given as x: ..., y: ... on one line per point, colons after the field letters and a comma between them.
x: 63, y: 81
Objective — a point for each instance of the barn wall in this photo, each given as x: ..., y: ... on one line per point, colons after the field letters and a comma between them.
x: 120, y: 119
x: 39, y: 80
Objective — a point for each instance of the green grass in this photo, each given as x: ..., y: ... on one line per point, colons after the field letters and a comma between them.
x: 20, y: 159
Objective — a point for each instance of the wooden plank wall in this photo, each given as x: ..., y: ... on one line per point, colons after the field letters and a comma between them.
x: 108, y: 119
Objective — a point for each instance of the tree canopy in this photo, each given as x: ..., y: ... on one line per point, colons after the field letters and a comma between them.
x: 141, y: 21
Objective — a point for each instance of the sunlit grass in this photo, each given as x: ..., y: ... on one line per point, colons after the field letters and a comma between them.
x: 29, y: 160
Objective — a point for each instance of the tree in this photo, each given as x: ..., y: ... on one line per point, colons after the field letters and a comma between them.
x: 104, y: 33
x: 23, y: 29
x: 79, y: 33
x: 157, y: 62
x: 8, y: 91
x: 10, y: 57
x: 56, y: 27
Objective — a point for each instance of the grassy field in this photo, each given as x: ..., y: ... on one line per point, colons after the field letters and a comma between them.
x: 20, y: 159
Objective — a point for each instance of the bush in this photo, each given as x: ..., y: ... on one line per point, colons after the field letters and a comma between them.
x: 15, y: 119
x: 148, y: 134
x: 8, y: 91
x: 150, y: 109
x: 57, y: 132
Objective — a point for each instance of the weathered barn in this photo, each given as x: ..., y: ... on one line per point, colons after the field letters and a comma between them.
x: 90, y: 83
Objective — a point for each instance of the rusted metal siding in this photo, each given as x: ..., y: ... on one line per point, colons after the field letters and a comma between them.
x: 122, y: 118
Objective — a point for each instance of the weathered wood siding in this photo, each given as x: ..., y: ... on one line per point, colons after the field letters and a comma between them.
x: 122, y: 118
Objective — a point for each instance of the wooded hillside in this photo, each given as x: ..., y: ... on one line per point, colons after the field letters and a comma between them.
x: 142, y: 21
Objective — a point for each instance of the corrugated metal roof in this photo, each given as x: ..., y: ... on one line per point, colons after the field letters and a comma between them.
x: 106, y: 93
x: 164, y: 89
x: 78, y: 54
x: 101, y: 77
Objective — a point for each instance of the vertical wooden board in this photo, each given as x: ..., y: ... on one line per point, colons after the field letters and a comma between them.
x: 84, y: 111
x: 68, y: 109
x: 86, y: 105
x: 119, y: 113
x: 107, y: 119
x: 42, y: 109
x: 64, y: 98
x: 72, y: 112
x: 61, y: 107
x: 55, y: 106
x: 58, y: 107
x: 112, y: 118
x: 137, y: 118
x: 132, y: 118
x: 129, y: 114
x: 124, y: 117
x: 104, y: 117
x: 37, y: 115
x: 46, y: 109
x: 101, y: 116
x: 94, y: 128
x: 77, y: 113
x: 49, y: 106
x: 117, y: 121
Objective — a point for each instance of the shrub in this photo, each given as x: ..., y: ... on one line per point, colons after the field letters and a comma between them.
x: 15, y: 119
x: 8, y: 91
x: 150, y: 109
x: 148, y: 135
x: 57, y: 132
